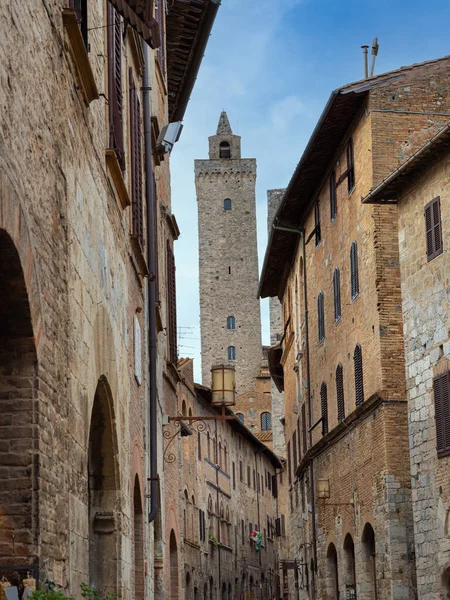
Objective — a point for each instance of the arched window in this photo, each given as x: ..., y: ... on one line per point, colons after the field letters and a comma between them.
x: 240, y: 416
x: 340, y: 393
x: 332, y: 583
x: 224, y: 150
x: 350, y: 166
x: 231, y: 353
x: 333, y: 198
x: 369, y: 559
x: 337, y: 294
x: 359, y: 384
x: 184, y: 409
x: 227, y: 204
x: 354, y: 277
x: 349, y: 571
x: 231, y: 323
x: 324, y: 408
x: 320, y: 317
x: 266, y: 421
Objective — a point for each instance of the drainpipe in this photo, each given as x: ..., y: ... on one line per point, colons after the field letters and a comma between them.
x: 151, y: 288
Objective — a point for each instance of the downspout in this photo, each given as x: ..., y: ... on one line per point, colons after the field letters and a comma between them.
x: 151, y: 287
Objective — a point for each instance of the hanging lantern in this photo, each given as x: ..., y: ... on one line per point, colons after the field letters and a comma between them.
x: 323, y: 487
x: 223, y: 385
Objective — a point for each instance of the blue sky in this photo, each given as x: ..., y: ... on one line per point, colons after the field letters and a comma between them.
x: 272, y: 64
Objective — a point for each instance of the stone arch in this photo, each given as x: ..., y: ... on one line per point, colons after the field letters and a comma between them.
x: 138, y: 542
x: 349, y: 570
x: 369, y: 567
x: 18, y: 399
x: 103, y: 493
x: 332, y: 577
x: 173, y: 563
x: 445, y: 584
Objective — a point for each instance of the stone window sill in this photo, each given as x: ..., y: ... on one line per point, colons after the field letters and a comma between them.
x: 115, y: 172
x: 80, y: 57
x: 138, y: 255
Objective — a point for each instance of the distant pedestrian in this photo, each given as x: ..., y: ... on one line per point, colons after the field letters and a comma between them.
x: 23, y: 590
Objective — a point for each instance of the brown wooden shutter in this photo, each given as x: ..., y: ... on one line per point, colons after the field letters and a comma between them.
x: 289, y: 462
x: 305, y: 441
x: 317, y: 221
x: 340, y: 393
x: 82, y: 16
x: 136, y: 164
x: 155, y: 239
x: 433, y: 228
x: 359, y: 386
x: 274, y: 486
x: 321, y: 317
x: 354, y: 276
x: 333, y: 198
x: 441, y: 386
x: 161, y: 50
x: 294, y: 450
x: 234, y: 475
x: 299, y: 439
x: 350, y: 166
x: 171, y: 305
x: 337, y: 294
x: 324, y: 407
x: 115, y: 98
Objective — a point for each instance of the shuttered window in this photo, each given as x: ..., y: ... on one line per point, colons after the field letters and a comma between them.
x: 333, y: 197
x: 82, y: 16
x: 161, y: 50
x: 354, y: 276
x: 337, y: 294
x: 433, y: 228
x: 294, y: 450
x: 320, y: 317
x: 324, y: 407
x: 155, y: 238
x: 115, y: 97
x: 441, y: 387
x: 136, y: 163
x: 359, y: 387
x: 305, y: 441
x: 317, y: 221
x: 266, y: 421
x: 289, y: 462
x: 298, y: 439
x: 340, y: 393
x: 199, y: 442
x: 241, y: 472
x: 350, y: 166
x: 171, y: 305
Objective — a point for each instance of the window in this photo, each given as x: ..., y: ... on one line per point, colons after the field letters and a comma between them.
x: 227, y: 204
x: 324, y: 407
x: 433, y: 228
x: 337, y: 295
x: 241, y: 472
x: 160, y: 51
x: 242, y: 531
x: 266, y: 421
x: 254, y: 479
x: 333, y: 197
x: 208, y: 440
x: 289, y: 462
x: 317, y: 221
x: 441, y: 387
x: 294, y: 450
x: 231, y: 323
x: 340, y: 393
x: 136, y: 164
x: 82, y: 17
x: 305, y: 441
x: 199, y: 445
x: 320, y: 317
x: 350, y: 166
x: 298, y: 439
x: 234, y: 475
x: 359, y: 387
x: 115, y: 98
x: 354, y: 277
x: 240, y: 416
x: 231, y: 353
x: 249, y: 483
x: 171, y: 305
x: 224, y: 150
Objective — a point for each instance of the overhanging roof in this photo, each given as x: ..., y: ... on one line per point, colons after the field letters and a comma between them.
x: 340, y: 110
x: 188, y: 26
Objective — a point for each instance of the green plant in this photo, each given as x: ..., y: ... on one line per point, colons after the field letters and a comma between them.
x: 212, y: 539
x: 92, y: 593
x: 49, y: 595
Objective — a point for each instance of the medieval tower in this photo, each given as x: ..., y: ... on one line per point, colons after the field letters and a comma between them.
x: 230, y: 318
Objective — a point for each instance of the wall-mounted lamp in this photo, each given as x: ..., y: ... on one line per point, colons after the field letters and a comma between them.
x: 323, y: 487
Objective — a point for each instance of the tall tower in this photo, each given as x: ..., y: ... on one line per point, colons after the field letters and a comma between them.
x: 230, y: 318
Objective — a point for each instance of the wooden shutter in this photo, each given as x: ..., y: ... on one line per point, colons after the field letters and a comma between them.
x: 171, y: 305
x: 294, y: 450
x: 305, y: 441
x: 359, y: 386
x: 441, y: 386
x: 333, y: 199
x: 82, y: 16
x: 136, y: 163
x: 274, y: 486
x: 234, y: 475
x: 340, y: 393
x: 320, y: 317
x: 433, y: 228
x: 337, y: 294
x: 317, y: 221
x: 298, y: 439
x: 350, y: 166
x: 354, y: 277
x: 155, y: 238
x: 324, y: 407
x: 161, y: 50
x: 289, y: 462
x: 115, y: 98
x: 278, y: 527
x: 199, y: 441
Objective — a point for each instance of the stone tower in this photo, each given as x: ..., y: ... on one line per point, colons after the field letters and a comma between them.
x: 230, y: 318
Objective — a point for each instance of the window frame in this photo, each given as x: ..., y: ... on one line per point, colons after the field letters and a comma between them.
x: 433, y: 229
x: 321, y: 316
x: 227, y: 204
x: 340, y: 396
x: 224, y: 149
x: 333, y: 196
x: 354, y: 271
x: 337, y: 294
x: 317, y: 230
x: 441, y: 397
x: 324, y: 407
x: 350, y: 166
x: 231, y: 320
x: 359, y: 375
x: 231, y: 353
x: 266, y: 421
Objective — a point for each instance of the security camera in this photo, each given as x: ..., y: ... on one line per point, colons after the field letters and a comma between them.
x: 169, y: 135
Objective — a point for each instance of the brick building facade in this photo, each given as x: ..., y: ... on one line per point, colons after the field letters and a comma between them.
x: 421, y: 190
x: 334, y: 262
x: 75, y: 187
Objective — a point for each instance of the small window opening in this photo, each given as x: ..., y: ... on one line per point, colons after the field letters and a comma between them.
x: 227, y: 204
x: 266, y: 421
x: 231, y: 323
x: 350, y: 166
x: 224, y: 150
x: 231, y: 353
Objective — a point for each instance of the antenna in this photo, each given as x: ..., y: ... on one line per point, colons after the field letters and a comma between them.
x: 375, y: 48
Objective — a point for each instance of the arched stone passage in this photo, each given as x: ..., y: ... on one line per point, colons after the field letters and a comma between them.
x: 138, y: 543
x: 369, y: 565
x: 332, y: 580
x: 445, y: 584
x: 18, y: 389
x: 173, y: 549
x: 349, y: 572
x: 103, y: 493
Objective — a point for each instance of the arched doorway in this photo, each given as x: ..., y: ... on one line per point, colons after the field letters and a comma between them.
x: 446, y: 584
x: 138, y: 543
x: 173, y: 566
x: 332, y: 581
x: 103, y: 491
x: 224, y: 591
x: 18, y: 372
x: 211, y: 588
x: 187, y: 589
x: 349, y: 572
x: 369, y: 587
